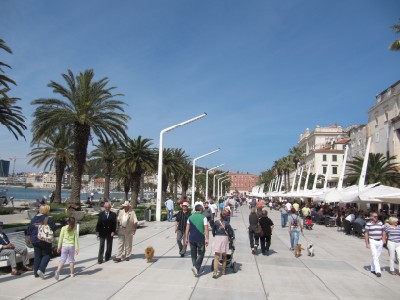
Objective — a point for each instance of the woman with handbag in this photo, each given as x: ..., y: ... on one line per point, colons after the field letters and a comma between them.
x: 266, y: 225
x: 41, y: 223
x: 253, y: 221
x: 222, y: 232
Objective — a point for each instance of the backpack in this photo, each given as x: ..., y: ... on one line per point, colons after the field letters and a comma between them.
x: 295, y: 221
x: 45, y: 233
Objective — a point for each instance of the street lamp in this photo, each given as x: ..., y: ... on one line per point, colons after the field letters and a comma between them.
x: 224, y: 177
x: 216, y: 175
x: 222, y: 183
x: 213, y: 168
x: 194, y: 171
x: 160, y: 162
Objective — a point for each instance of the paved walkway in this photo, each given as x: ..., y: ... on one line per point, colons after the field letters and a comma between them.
x: 339, y: 270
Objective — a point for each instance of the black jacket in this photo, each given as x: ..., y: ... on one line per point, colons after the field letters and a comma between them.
x: 106, y: 225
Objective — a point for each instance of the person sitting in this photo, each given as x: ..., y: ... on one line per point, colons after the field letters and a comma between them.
x: 9, y: 249
x: 360, y: 220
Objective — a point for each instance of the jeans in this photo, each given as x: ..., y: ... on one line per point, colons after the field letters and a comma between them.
x: 265, y: 243
x: 197, y: 251
x: 42, y: 252
x: 181, y: 240
x: 109, y: 240
x: 170, y: 214
x: 252, y: 237
x: 284, y: 218
x: 376, y: 250
x: 294, y: 237
x: 393, y: 247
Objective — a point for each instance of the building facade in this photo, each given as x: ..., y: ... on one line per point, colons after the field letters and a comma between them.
x: 242, y: 183
x: 384, y: 122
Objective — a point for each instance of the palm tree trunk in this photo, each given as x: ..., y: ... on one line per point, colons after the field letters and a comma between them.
x: 81, y: 138
x: 60, y: 167
x: 107, y: 179
x: 135, y: 189
x: 126, y: 189
x: 176, y: 189
x: 185, y: 187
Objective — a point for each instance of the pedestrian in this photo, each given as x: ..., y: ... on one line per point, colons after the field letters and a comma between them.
x: 9, y: 249
x: 127, y: 224
x: 253, y: 237
x: 267, y: 225
x: 180, y: 227
x: 284, y: 215
x: 169, y: 204
x: 392, y: 235
x: 295, y: 227
x: 374, y: 240
x: 105, y: 229
x: 197, y: 235
x: 270, y: 205
x: 207, y: 211
x: 214, y: 210
x: 41, y: 248
x: 68, y: 246
x: 222, y: 233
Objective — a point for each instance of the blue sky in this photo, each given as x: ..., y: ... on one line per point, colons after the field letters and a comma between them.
x: 264, y: 71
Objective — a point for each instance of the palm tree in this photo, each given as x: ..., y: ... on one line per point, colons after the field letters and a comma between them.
x: 297, y: 154
x: 172, y: 164
x: 181, y: 158
x: 87, y: 106
x: 11, y: 115
x: 186, y: 177
x: 137, y: 157
x: 106, y: 153
x: 395, y: 46
x: 379, y: 169
x: 287, y: 165
x: 55, y: 151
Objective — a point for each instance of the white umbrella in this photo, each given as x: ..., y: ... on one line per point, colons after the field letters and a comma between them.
x: 381, y: 193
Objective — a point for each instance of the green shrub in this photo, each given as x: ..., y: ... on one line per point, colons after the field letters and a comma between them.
x: 60, y: 218
x: 6, y: 210
x: 88, y: 227
x: 57, y: 206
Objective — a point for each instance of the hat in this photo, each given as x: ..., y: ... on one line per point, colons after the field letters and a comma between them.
x: 126, y: 203
x: 185, y: 203
x: 1, y: 223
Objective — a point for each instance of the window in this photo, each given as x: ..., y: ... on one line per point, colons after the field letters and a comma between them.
x: 334, y: 157
x: 376, y: 121
x: 324, y: 157
x: 324, y: 168
x: 334, y: 170
x: 377, y: 137
x: 386, y: 117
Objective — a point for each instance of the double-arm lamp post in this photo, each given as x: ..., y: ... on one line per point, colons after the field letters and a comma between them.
x: 222, y: 178
x: 160, y: 162
x: 194, y: 171
x: 217, y: 175
x: 226, y: 179
x: 213, y: 168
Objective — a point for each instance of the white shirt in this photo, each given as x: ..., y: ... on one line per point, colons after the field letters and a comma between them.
x: 169, y: 204
x: 213, y: 208
x: 288, y: 206
x: 198, y: 202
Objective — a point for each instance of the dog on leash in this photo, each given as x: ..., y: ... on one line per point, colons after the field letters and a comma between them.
x: 310, y: 249
x: 297, y: 250
x: 149, y: 254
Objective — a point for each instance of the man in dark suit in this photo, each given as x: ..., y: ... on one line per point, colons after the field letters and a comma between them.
x: 105, y: 230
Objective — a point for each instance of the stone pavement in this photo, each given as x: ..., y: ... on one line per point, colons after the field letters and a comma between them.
x: 339, y: 270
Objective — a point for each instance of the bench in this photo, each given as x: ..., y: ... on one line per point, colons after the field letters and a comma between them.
x: 18, y: 239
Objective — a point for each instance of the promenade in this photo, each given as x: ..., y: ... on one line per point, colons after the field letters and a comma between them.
x: 339, y: 270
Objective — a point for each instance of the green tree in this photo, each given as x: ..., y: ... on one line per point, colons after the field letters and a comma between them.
x: 137, y: 157
x: 55, y: 151
x: 395, y: 46
x: 10, y: 114
x: 181, y: 159
x: 105, y: 153
x: 87, y: 106
x: 379, y: 169
x: 172, y: 164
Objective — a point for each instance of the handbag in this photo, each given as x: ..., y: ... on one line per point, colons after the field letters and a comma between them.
x: 258, y: 231
x: 230, y: 238
x: 45, y: 233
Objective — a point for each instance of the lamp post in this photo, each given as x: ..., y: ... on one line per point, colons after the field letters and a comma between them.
x: 194, y: 171
x: 216, y: 175
x: 160, y: 162
x: 213, y: 168
x: 222, y: 183
x: 218, y: 184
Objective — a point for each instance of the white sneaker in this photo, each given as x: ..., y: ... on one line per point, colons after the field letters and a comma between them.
x: 56, y: 275
x: 40, y: 273
x: 194, y: 270
x: 72, y: 275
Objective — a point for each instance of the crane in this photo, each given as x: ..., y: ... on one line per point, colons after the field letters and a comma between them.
x: 13, y: 159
